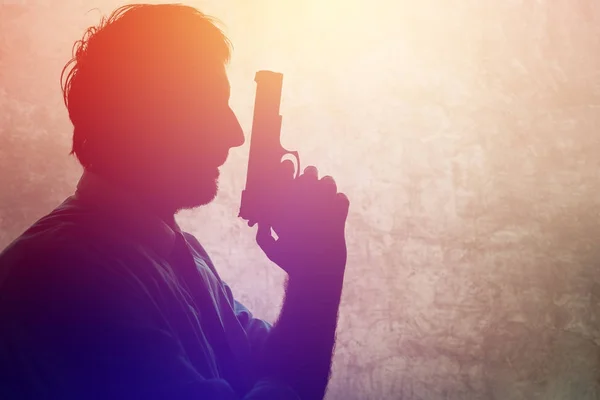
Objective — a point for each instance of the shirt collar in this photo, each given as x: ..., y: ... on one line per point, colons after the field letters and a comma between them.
x: 130, y: 213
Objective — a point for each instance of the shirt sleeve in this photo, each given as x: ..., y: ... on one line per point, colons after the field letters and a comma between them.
x: 256, y: 329
x: 79, y: 326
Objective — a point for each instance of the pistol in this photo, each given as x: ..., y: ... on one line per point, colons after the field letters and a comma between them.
x: 266, y: 151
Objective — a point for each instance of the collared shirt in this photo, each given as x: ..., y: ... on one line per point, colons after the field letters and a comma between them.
x: 100, y: 299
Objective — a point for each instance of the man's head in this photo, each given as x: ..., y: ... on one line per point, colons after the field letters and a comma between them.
x: 148, y: 98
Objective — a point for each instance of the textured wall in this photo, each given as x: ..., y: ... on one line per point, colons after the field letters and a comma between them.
x: 465, y: 134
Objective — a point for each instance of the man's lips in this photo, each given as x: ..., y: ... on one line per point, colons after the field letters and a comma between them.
x: 210, y: 166
x: 222, y: 161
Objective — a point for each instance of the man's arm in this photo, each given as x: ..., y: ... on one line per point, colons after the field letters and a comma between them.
x: 299, y: 348
x: 309, y: 221
x: 77, y: 327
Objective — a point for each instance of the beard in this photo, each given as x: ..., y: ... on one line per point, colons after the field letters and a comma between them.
x: 190, y: 192
x: 171, y: 184
x: 166, y: 186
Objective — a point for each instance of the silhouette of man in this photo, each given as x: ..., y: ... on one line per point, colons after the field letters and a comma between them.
x: 106, y: 297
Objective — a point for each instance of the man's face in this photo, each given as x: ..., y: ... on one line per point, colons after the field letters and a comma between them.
x: 186, y: 139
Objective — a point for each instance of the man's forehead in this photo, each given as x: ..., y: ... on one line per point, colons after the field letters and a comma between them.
x: 197, y: 79
x: 177, y: 93
x: 211, y: 77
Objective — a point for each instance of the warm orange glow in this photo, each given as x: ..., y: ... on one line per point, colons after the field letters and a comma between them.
x: 465, y: 135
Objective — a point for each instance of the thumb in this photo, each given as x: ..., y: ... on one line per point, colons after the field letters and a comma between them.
x: 266, y: 241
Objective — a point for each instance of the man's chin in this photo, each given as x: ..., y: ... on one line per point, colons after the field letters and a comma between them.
x: 197, y: 196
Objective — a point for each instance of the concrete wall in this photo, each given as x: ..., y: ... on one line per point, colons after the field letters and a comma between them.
x: 466, y: 135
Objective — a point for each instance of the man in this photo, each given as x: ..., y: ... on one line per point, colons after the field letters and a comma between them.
x: 106, y: 297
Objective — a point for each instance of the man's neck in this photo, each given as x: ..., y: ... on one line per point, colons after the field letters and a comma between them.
x: 169, y: 219
x: 142, y: 197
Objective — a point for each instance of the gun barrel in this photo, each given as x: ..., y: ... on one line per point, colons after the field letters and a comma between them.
x: 265, y: 147
x: 268, y: 93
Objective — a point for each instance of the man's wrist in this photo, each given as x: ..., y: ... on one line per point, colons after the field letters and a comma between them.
x: 316, y: 280
x: 306, y: 271
x: 307, y: 289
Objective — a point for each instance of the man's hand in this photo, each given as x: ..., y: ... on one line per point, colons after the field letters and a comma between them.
x: 309, y: 222
x: 309, y: 219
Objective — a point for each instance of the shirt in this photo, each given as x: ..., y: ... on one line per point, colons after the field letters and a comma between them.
x: 101, y: 299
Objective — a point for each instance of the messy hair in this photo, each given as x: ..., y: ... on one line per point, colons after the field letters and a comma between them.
x: 131, y: 45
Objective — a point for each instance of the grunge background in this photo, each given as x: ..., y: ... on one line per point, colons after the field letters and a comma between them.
x: 466, y: 135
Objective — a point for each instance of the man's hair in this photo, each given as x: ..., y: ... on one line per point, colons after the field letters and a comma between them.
x: 117, y: 64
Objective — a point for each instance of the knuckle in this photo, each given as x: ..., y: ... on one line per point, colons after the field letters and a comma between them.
x: 327, y: 184
x: 310, y: 170
x: 328, y: 179
x: 343, y: 199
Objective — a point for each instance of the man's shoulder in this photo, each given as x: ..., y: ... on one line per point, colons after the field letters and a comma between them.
x: 63, y: 227
x: 66, y: 236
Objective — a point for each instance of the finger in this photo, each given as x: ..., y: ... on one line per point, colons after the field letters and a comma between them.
x: 264, y: 238
x: 288, y: 169
x: 342, y: 205
x: 269, y: 245
x: 311, y: 172
x: 328, y: 186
